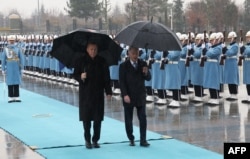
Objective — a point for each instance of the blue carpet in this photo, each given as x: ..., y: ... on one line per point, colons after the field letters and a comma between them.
x: 53, y: 127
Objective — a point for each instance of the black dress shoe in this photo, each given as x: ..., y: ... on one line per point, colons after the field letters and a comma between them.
x: 144, y: 144
x: 245, y: 101
x: 96, y: 145
x: 88, y: 145
x: 131, y: 143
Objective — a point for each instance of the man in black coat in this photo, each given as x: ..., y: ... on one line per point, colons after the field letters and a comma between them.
x: 132, y: 75
x: 92, y: 73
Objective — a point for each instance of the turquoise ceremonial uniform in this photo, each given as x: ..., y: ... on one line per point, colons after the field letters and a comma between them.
x: 246, y: 64
x: 182, y: 66
x: 114, y: 69
x: 147, y: 54
x: 12, y: 64
x: 172, y: 71
x: 195, y: 68
x: 211, y: 77
x: 231, y: 71
x: 158, y: 75
x: 30, y: 56
x: 221, y: 68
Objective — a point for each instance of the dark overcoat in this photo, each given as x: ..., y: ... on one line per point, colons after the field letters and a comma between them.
x: 91, y: 90
x: 132, y: 83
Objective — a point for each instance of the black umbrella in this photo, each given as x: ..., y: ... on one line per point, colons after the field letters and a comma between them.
x: 68, y: 48
x: 145, y: 34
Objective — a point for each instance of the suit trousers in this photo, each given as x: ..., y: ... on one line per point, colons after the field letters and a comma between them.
x: 13, y: 90
x: 97, y: 130
x: 141, y: 114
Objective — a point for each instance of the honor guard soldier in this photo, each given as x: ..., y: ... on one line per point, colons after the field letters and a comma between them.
x: 245, y: 56
x: 221, y: 42
x: 183, y: 68
x: 197, y: 70
x: 158, y: 78
x: 148, y: 84
x: 12, y: 66
x: 211, y: 79
x: 231, y: 71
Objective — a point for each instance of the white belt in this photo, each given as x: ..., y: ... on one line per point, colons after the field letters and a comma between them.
x: 212, y: 60
x: 157, y: 61
x: 197, y: 59
x: 232, y: 57
x: 172, y: 62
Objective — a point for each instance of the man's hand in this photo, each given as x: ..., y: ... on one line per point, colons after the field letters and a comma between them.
x: 84, y: 76
x: 145, y: 70
x: 126, y: 99
x: 240, y: 44
x: 109, y: 97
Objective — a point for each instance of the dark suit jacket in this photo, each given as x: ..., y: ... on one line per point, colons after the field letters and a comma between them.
x: 132, y: 82
x: 91, y: 91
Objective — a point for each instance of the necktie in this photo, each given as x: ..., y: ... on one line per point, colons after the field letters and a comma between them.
x: 135, y: 65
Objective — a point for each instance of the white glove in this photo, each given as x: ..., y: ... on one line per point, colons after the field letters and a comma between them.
x: 203, y: 45
x: 189, y: 47
x: 223, y: 45
x: 240, y: 44
x: 209, y: 45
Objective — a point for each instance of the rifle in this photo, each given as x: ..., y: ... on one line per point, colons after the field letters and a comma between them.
x: 189, y: 52
x: 203, y: 57
x: 151, y: 59
x: 241, y: 57
x: 223, y: 57
x: 164, y: 60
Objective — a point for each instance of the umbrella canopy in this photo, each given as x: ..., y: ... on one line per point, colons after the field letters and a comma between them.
x: 68, y: 48
x: 145, y: 34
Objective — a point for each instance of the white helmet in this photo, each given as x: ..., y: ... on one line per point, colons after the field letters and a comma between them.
x: 199, y: 36
x: 178, y: 35
x: 192, y: 35
x: 231, y: 34
x: 184, y: 37
x: 213, y: 36
x: 11, y: 37
x: 248, y: 34
x: 220, y: 35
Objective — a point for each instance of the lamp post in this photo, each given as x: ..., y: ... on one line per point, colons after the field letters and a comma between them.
x: 38, y: 14
x: 170, y: 5
x: 171, y: 12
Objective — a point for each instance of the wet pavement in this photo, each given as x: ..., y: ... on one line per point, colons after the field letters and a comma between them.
x: 202, y: 125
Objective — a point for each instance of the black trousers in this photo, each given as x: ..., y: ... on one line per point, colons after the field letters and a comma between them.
x: 184, y: 90
x: 97, y: 130
x: 214, y: 94
x: 149, y: 91
x: 13, y: 90
x: 248, y: 89
x: 141, y: 114
x: 162, y: 93
x: 233, y: 88
x: 115, y: 83
x: 198, y: 91
x: 176, y: 94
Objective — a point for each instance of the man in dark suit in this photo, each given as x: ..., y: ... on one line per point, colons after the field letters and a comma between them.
x: 132, y: 75
x: 92, y: 73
